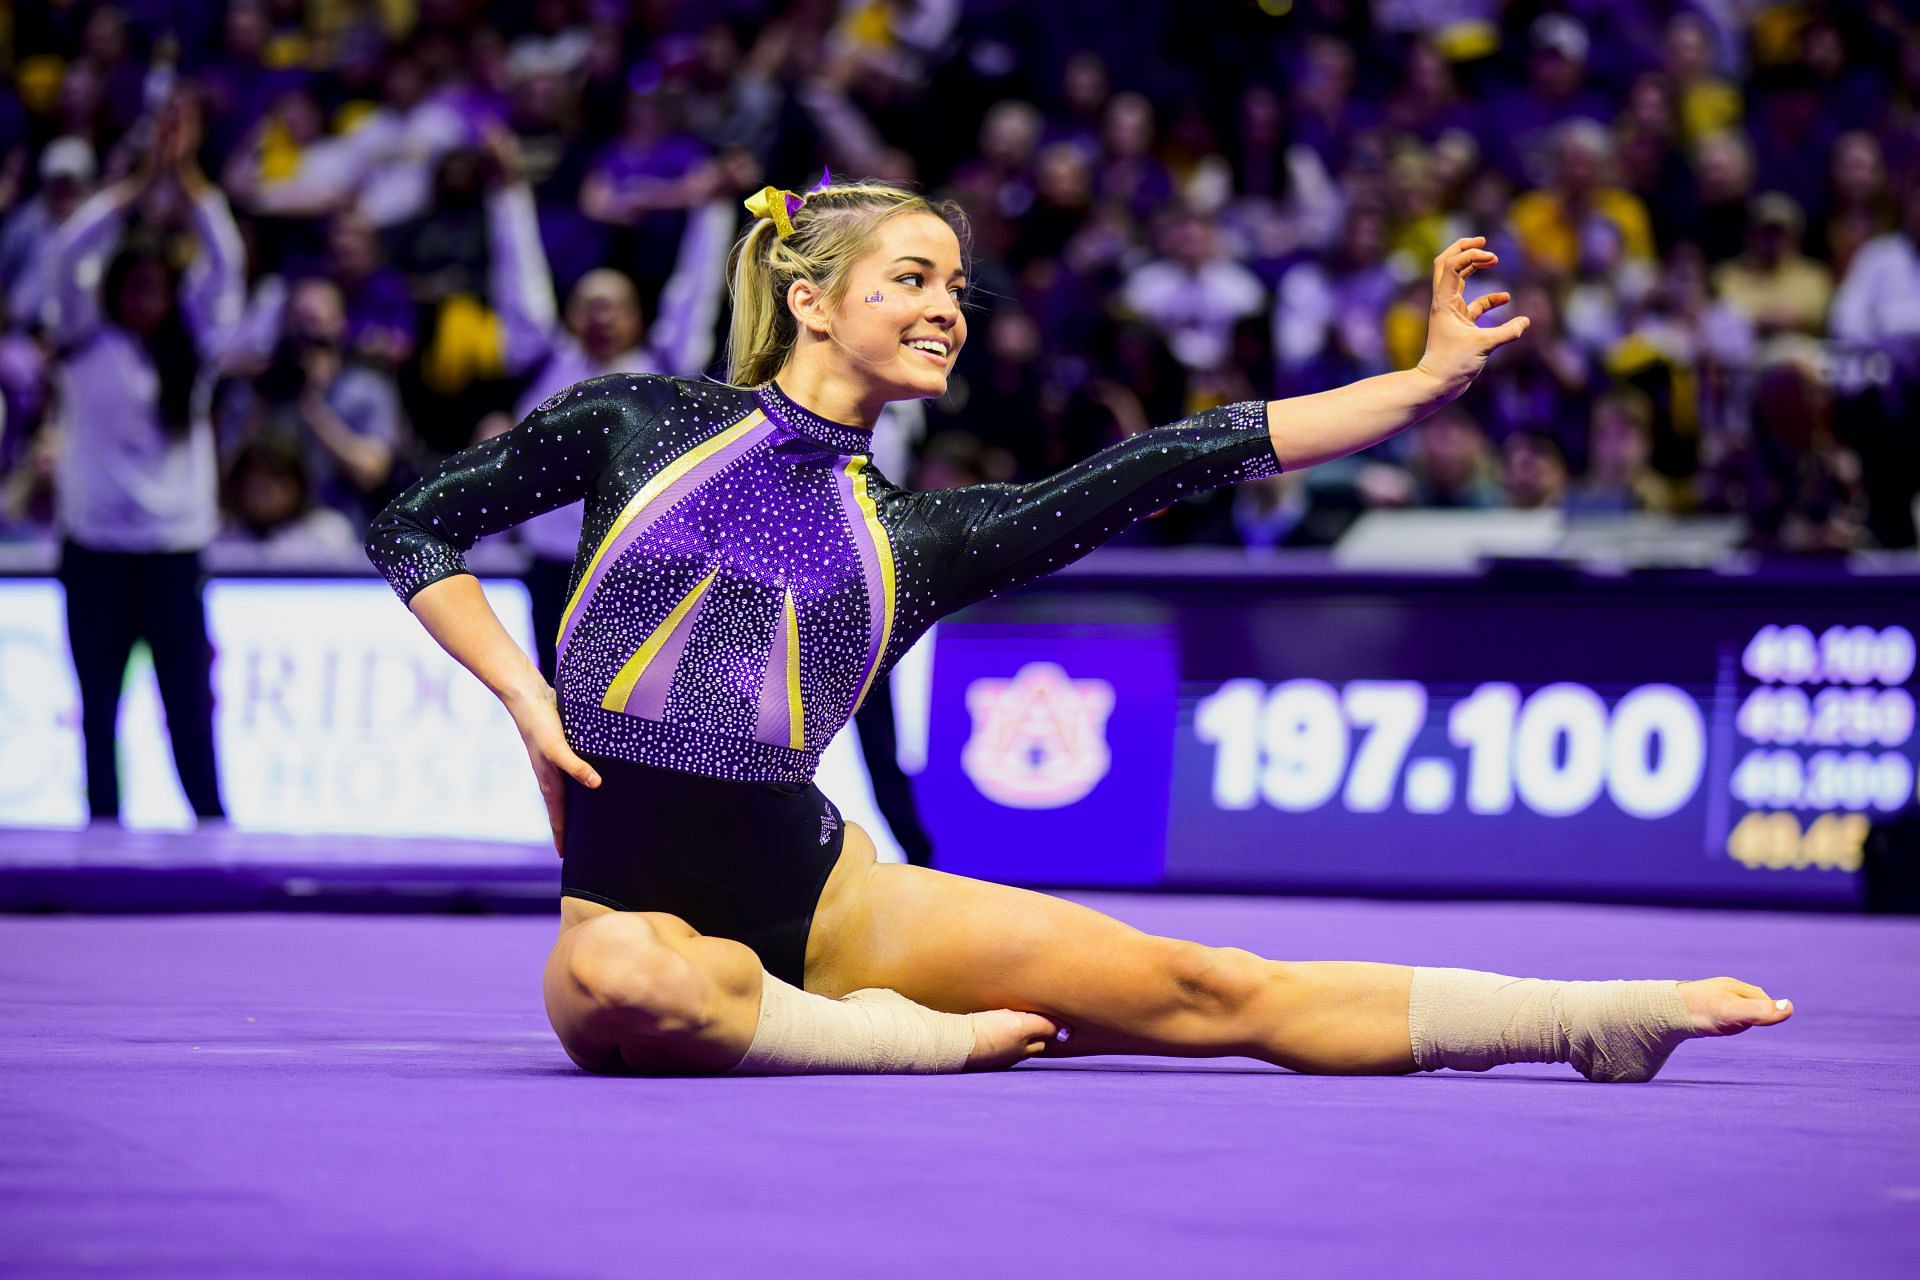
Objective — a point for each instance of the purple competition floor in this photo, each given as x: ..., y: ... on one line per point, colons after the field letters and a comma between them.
x: 284, y: 1094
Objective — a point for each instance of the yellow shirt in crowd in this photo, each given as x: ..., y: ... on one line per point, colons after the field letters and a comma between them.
x: 1541, y: 224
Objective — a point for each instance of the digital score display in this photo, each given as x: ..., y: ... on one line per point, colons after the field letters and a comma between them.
x: 1817, y: 761
x: 1654, y: 749
x: 1826, y: 730
x: 1303, y: 744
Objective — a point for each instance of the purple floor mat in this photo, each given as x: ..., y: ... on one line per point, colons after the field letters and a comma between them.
x: 269, y: 1095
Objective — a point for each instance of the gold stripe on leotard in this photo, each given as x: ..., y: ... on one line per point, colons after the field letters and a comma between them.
x: 622, y: 687
x: 653, y: 488
x: 796, y: 714
x: 883, y: 552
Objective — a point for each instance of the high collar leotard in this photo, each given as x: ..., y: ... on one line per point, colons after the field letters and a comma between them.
x: 744, y: 574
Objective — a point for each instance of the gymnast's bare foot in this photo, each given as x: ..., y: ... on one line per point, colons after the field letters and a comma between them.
x: 1727, y: 1006
x: 1002, y: 1037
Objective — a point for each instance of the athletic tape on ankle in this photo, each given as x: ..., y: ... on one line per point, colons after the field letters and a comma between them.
x: 1614, y: 1031
x: 871, y: 1030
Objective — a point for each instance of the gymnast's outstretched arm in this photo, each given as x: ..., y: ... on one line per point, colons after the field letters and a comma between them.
x: 982, y: 539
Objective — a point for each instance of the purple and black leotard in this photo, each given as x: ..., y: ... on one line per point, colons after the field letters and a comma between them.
x: 744, y: 577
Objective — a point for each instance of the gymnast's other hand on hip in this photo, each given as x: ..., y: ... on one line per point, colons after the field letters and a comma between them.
x: 536, y: 714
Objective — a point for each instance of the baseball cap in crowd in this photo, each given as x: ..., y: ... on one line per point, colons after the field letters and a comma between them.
x: 1776, y: 209
x: 67, y: 157
x: 1564, y: 35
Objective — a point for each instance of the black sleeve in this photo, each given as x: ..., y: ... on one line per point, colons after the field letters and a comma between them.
x: 982, y: 539
x: 549, y: 460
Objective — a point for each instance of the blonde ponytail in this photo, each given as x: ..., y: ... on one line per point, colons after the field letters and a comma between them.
x: 831, y: 231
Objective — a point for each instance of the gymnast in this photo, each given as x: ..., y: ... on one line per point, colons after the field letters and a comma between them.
x: 745, y: 577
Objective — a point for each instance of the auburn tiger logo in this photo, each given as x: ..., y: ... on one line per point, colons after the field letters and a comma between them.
x: 1039, y: 740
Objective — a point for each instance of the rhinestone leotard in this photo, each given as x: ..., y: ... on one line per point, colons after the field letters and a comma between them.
x: 745, y: 575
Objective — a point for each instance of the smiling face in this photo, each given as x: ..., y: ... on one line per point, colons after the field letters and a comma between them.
x: 899, y: 325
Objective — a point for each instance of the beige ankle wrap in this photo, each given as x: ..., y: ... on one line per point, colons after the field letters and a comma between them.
x: 874, y: 1029
x: 1613, y: 1031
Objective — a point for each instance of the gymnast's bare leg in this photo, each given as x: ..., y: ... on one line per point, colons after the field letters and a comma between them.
x: 953, y: 943
x: 643, y: 991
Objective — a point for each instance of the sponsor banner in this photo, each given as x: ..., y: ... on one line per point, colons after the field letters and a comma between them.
x: 334, y: 712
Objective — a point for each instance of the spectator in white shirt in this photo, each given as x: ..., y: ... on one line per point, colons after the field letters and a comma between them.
x: 1329, y: 318
x: 26, y: 283
x: 1877, y: 307
x: 136, y: 496
x: 1194, y: 294
x: 1875, y: 327
x: 66, y: 179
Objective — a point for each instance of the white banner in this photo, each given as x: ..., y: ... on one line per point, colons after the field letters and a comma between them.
x: 334, y: 711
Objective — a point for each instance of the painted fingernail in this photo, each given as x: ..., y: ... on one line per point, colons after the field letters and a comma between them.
x: 1063, y: 1034
x: 1779, y: 1004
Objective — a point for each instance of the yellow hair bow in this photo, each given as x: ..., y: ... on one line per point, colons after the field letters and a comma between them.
x: 781, y: 206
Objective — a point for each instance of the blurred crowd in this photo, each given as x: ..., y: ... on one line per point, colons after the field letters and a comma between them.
x: 332, y: 242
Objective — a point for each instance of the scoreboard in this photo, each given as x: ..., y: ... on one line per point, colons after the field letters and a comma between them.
x: 1700, y: 739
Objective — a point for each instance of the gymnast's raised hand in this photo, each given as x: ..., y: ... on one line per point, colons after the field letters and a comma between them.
x: 1457, y: 347
x: 1324, y: 425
